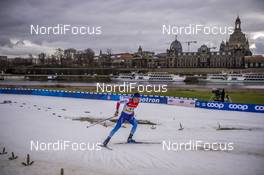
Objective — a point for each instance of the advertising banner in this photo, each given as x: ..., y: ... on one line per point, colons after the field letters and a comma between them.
x: 230, y: 106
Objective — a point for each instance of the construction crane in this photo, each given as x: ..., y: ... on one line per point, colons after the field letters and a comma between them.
x: 189, y: 43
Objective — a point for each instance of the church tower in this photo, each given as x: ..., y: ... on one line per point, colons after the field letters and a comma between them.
x: 238, y: 45
x: 140, y: 51
x: 238, y: 39
x: 238, y: 24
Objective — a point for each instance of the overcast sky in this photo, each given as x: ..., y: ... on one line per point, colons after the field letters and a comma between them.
x: 125, y: 24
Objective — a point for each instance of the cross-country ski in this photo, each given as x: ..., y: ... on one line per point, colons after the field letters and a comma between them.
x: 138, y: 142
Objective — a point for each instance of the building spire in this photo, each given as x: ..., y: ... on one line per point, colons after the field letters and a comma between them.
x: 238, y: 24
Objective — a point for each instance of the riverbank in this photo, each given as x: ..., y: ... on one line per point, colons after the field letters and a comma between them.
x: 108, y: 71
x: 247, y: 96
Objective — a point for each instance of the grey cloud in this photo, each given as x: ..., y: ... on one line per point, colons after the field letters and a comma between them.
x: 259, y: 43
x: 5, y: 41
x: 126, y: 24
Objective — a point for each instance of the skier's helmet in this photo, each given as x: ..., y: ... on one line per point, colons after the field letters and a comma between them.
x: 136, y: 95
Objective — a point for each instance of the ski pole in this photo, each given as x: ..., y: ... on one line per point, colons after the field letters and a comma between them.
x: 100, y: 121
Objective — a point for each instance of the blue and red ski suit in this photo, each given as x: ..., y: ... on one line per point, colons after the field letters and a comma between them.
x: 126, y: 115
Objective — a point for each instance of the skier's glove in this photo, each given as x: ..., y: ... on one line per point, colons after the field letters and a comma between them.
x: 116, y: 113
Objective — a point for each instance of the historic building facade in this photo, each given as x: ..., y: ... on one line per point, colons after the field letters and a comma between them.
x: 230, y: 55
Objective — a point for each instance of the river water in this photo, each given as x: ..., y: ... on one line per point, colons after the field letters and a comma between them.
x: 16, y: 82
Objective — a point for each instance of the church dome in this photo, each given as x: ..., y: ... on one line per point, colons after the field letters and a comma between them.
x: 237, y: 39
x: 204, y: 49
x: 176, y: 46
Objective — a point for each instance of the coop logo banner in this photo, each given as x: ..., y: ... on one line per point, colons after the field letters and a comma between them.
x: 238, y: 107
x: 259, y: 108
x: 230, y: 106
x: 215, y: 105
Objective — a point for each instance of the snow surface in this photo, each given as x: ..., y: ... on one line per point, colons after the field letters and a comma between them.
x: 36, y: 118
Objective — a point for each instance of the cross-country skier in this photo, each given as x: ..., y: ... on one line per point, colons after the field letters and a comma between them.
x: 126, y: 115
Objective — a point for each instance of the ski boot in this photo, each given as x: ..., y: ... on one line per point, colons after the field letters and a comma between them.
x: 130, y: 140
x: 106, y: 141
